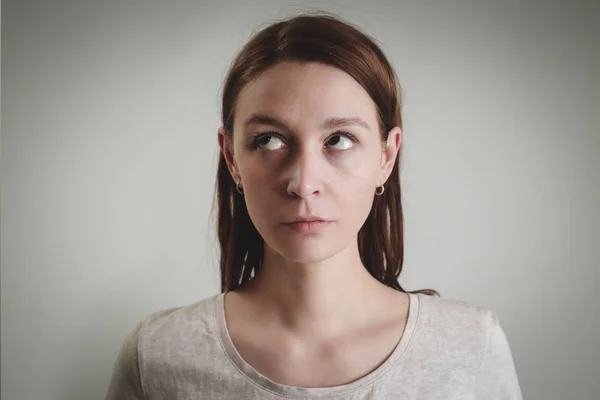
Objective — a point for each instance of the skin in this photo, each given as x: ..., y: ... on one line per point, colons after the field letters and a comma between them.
x: 314, y: 316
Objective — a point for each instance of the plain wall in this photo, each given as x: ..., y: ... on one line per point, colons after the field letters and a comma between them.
x: 110, y: 112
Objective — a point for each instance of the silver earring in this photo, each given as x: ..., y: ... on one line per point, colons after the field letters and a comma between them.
x: 238, y: 188
x: 379, y: 190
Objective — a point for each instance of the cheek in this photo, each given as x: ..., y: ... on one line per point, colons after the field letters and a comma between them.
x: 354, y: 175
x: 355, y: 203
x: 355, y: 191
x: 259, y: 186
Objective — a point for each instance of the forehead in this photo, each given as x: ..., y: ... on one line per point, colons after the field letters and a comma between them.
x: 305, y: 95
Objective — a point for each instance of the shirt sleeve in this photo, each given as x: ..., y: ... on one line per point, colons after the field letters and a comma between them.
x: 497, y: 378
x: 125, y: 383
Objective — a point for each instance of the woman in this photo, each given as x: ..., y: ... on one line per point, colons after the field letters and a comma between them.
x: 310, y: 229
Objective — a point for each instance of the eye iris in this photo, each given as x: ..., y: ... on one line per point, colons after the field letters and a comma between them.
x: 334, y: 140
x: 264, y: 140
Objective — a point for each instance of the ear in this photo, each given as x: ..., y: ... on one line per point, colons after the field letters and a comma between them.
x: 226, y: 147
x: 389, y: 153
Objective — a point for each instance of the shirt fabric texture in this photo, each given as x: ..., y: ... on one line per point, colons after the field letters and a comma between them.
x: 450, y: 349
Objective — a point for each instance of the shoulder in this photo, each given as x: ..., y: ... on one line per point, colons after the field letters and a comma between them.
x: 459, y: 327
x: 167, y: 338
x: 461, y: 345
x: 171, y: 323
x: 471, y: 337
x: 455, y: 314
x: 172, y: 319
x: 177, y: 327
x: 168, y: 335
x: 158, y: 341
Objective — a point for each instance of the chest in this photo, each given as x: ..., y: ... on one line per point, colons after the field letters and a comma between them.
x: 331, y: 364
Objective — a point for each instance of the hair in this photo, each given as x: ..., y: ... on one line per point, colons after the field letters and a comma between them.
x: 327, y: 39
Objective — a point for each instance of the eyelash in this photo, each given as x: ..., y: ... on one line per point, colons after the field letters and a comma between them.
x: 259, y: 135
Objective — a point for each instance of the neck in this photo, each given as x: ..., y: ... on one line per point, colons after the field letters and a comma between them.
x: 320, y: 299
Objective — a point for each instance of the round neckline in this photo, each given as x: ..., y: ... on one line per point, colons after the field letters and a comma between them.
x: 267, y: 384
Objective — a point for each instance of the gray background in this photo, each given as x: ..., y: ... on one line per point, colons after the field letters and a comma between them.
x: 109, y: 149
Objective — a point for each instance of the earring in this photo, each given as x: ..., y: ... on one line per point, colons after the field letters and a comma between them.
x: 379, y: 190
x: 238, y: 188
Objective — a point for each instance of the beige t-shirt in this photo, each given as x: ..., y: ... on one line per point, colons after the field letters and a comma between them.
x: 450, y: 349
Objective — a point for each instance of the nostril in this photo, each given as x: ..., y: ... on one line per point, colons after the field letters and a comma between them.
x: 293, y: 193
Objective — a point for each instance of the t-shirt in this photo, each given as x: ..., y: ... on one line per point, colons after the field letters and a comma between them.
x: 450, y: 349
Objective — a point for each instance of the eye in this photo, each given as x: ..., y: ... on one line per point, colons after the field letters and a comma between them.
x: 267, y: 142
x: 345, y: 140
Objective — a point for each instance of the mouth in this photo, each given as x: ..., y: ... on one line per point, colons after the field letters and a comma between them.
x: 296, y: 219
x: 300, y: 221
x: 309, y: 226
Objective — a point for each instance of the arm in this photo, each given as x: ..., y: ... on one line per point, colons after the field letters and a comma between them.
x: 497, y: 378
x: 126, y: 383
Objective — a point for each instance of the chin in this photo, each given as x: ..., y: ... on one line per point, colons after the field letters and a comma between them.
x: 303, y: 258
x: 305, y: 250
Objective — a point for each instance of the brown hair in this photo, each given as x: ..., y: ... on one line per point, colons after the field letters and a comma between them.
x: 327, y: 39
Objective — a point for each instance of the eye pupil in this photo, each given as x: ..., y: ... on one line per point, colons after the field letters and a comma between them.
x: 264, y: 140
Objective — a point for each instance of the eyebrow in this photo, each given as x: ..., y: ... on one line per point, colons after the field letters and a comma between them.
x: 330, y: 123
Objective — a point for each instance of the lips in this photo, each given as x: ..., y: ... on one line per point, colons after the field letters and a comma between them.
x: 306, y: 227
x: 304, y: 219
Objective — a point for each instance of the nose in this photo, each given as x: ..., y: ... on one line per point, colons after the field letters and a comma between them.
x: 304, y: 179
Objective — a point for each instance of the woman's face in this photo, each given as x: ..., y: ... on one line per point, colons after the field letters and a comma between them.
x: 306, y: 144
